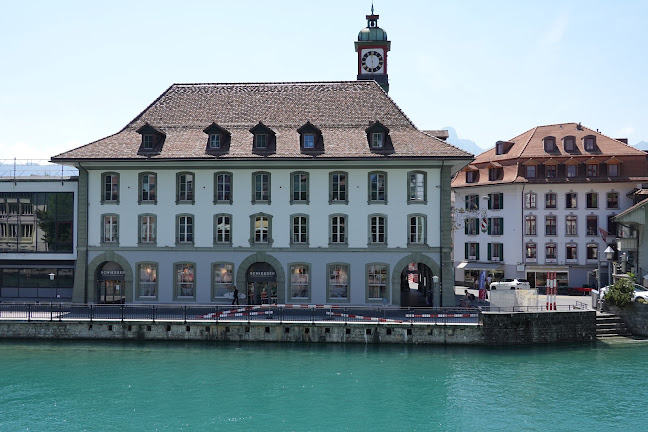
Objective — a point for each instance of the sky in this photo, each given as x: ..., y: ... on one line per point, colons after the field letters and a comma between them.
x: 76, y: 71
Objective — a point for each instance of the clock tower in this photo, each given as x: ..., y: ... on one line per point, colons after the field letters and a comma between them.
x: 372, y: 46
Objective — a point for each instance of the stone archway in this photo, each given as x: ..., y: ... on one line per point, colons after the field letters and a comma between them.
x: 95, y: 266
x: 402, y: 264
x: 262, y: 257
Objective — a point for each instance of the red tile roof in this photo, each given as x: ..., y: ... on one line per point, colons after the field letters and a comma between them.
x: 528, y: 148
x: 341, y: 110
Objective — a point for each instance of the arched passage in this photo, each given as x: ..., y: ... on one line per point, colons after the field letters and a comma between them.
x: 254, y: 263
x: 99, y: 273
x: 419, y: 267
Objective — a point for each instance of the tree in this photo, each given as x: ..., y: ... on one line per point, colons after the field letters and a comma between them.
x: 620, y: 294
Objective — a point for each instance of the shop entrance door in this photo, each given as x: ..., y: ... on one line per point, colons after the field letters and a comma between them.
x: 111, y: 292
x: 261, y: 284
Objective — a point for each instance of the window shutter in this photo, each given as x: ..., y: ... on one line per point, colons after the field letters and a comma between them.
x: 489, y: 226
x: 490, y: 206
x: 477, y: 252
x: 466, y: 205
x: 501, y: 197
x: 501, y: 258
x: 466, y: 251
x: 466, y: 226
x: 489, y: 251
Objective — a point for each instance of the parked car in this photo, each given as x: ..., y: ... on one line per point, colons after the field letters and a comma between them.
x: 511, y: 284
x: 640, y: 292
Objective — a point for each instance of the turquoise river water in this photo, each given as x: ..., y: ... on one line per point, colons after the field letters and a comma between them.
x: 92, y: 386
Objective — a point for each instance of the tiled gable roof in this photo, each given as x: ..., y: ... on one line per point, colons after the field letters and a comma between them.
x: 341, y: 110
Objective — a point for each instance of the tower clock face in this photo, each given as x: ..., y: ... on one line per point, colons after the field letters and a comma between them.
x: 372, y: 61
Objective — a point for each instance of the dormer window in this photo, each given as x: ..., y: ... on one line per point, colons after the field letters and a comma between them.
x: 592, y: 169
x: 589, y: 143
x: 309, y: 141
x: 570, y: 144
x: 550, y: 144
x: 214, y: 141
x: 147, y: 142
x: 499, y: 148
x: 471, y: 176
x: 376, y: 140
x: 261, y: 141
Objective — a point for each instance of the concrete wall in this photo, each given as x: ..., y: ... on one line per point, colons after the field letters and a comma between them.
x: 496, y: 329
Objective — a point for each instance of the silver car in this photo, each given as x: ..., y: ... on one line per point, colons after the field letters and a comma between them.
x: 640, y: 292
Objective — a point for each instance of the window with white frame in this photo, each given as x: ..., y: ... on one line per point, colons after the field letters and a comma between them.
x: 223, y: 275
x: 472, y: 251
x: 377, y: 229
x: 472, y: 202
x: 214, y: 141
x: 592, y: 251
x: 590, y: 142
x: 550, y: 200
x: 148, y: 188
x: 550, y: 144
x: 110, y: 231
x: 110, y: 187
x: 223, y: 187
x: 376, y: 140
x: 592, y: 225
x: 261, y: 187
x: 338, y: 281
x: 495, y: 201
x: 147, y: 141
x: 471, y: 226
x: 378, y: 187
x: 591, y: 200
x: 495, y: 251
x: 417, y: 229
x: 496, y: 226
x: 223, y: 229
x: 417, y: 187
x: 309, y: 141
x: 338, y: 229
x: 569, y: 143
x: 299, y: 281
x: 261, y: 229
x: 377, y: 281
x: 550, y: 225
x: 300, y: 229
x: 185, y: 187
x: 299, y: 186
x: 531, y: 252
x: 338, y: 187
x: 551, y: 170
x: 613, y: 200
x: 185, y: 282
x: 26, y: 231
x: 147, y: 282
x: 530, y: 225
x: 147, y: 229
x: 261, y: 141
x: 530, y: 200
x: 571, y: 200
x: 185, y: 229
x: 592, y: 169
x: 550, y: 252
x: 571, y: 225
x: 572, y: 170
x: 571, y: 251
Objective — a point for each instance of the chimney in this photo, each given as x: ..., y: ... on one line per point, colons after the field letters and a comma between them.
x: 579, y: 127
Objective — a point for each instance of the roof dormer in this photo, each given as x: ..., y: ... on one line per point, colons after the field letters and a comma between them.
x: 502, y: 147
x: 378, y: 137
x: 218, y: 139
x: 264, y: 139
x: 310, y: 139
x: 569, y: 143
x: 152, y: 139
x: 589, y: 143
x: 549, y: 144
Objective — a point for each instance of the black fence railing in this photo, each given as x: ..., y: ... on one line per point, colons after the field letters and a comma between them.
x: 215, y: 313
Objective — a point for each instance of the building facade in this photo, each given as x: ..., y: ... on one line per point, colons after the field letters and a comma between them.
x: 37, y: 234
x: 292, y: 192
x: 543, y: 202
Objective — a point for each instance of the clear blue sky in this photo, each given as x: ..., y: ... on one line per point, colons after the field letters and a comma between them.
x: 76, y: 71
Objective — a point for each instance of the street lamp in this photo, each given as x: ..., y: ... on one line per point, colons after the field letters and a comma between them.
x: 51, y: 275
x: 435, y: 291
x: 609, y: 255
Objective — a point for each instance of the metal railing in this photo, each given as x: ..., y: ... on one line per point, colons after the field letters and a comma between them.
x: 217, y: 313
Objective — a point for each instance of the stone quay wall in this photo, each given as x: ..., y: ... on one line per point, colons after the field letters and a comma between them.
x: 635, y: 316
x: 494, y: 329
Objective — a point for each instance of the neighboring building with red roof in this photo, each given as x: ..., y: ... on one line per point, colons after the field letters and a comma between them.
x: 543, y: 202
x: 313, y: 192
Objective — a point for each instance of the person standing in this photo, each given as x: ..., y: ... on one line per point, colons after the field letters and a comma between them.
x: 236, y: 296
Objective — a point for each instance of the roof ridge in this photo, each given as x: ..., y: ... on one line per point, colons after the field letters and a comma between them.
x: 263, y: 83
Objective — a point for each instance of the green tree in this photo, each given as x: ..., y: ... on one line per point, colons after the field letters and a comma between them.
x: 620, y: 294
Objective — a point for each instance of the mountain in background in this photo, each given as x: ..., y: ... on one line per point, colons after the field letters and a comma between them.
x: 463, y: 144
x: 641, y: 145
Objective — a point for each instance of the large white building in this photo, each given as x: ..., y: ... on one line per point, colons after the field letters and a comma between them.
x: 544, y: 202
x: 321, y: 192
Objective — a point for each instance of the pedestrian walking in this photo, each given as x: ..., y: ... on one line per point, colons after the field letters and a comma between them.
x: 236, y: 296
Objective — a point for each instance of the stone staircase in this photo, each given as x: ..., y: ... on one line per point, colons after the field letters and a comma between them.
x: 609, y: 325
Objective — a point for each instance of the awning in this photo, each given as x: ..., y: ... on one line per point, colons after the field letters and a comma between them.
x: 479, y: 266
x: 553, y: 268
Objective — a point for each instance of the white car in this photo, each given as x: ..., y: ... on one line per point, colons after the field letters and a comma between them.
x: 511, y: 284
x: 640, y: 292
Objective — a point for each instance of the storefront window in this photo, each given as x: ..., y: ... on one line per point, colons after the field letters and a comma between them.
x: 299, y: 275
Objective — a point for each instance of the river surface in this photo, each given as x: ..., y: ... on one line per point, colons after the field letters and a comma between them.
x: 94, y: 386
